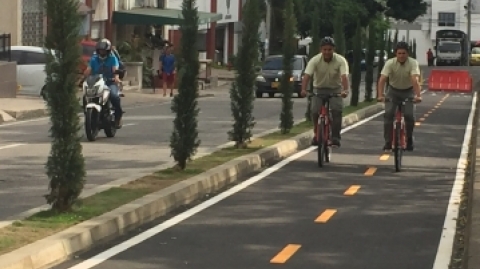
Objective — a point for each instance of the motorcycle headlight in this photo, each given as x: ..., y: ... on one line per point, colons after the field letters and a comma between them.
x: 92, y: 91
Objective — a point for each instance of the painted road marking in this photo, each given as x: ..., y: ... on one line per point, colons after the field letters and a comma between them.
x: 117, y: 249
x: 325, y: 216
x: 370, y: 171
x: 445, y: 247
x: 418, y: 123
x: 421, y: 119
x: 384, y: 157
x: 286, y: 253
x: 352, y: 190
x: 11, y: 146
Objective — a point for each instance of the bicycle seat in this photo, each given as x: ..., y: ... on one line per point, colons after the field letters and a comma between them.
x: 400, y: 101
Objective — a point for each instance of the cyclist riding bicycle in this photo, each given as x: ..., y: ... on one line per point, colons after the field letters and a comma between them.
x: 402, y: 73
x: 104, y: 62
x: 330, y: 75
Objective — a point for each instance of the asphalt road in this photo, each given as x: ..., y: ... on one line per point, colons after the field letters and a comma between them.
x: 354, y: 213
x: 141, y: 145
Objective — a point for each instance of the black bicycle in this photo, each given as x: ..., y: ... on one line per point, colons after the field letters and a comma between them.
x: 324, y: 130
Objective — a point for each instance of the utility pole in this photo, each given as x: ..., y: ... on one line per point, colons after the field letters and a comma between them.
x: 268, y: 24
x: 469, y: 29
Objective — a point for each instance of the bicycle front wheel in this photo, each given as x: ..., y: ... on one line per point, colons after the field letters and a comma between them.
x: 398, y: 149
x: 320, y: 142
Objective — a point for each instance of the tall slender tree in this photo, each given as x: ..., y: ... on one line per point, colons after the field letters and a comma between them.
x: 66, y: 165
x: 339, y: 29
x: 313, y: 50
x: 242, y: 90
x: 371, y: 51
x: 184, y: 140
x: 286, y: 116
x: 357, y: 69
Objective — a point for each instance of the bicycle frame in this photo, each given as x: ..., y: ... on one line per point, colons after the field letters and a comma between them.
x: 399, y: 121
x: 398, y: 132
x: 323, y: 132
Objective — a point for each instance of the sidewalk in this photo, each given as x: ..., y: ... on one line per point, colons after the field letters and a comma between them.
x: 29, y: 107
x: 474, y: 240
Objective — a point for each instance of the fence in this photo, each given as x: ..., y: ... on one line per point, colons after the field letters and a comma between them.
x: 5, y: 47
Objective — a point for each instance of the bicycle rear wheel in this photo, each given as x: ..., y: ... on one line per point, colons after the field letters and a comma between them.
x: 398, y: 149
x: 320, y: 142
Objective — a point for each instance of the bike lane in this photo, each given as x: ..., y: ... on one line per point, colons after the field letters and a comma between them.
x: 355, y: 212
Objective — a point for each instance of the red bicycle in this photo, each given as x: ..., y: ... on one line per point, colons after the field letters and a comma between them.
x: 324, y: 130
x: 399, y: 141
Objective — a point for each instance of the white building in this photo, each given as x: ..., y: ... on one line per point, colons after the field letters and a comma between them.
x: 441, y: 14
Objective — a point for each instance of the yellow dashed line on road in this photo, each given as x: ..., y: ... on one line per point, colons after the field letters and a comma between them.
x: 286, y: 253
x: 370, y: 171
x: 384, y: 157
x: 325, y: 216
x: 352, y: 190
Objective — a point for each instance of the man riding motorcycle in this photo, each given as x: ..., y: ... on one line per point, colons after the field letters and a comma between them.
x: 105, y: 63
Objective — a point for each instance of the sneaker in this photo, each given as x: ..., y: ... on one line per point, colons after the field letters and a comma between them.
x: 387, y: 146
x: 410, y: 144
x: 336, y: 142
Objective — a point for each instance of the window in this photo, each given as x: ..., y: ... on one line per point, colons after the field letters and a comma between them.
x: 446, y: 19
x: 35, y: 58
x: 276, y: 63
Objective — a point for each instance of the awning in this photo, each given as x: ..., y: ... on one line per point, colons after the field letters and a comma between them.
x: 145, y: 16
x: 84, y: 9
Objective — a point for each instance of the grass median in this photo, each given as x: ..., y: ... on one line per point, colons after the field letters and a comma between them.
x: 46, y: 223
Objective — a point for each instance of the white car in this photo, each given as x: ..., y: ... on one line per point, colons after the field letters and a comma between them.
x: 31, y: 74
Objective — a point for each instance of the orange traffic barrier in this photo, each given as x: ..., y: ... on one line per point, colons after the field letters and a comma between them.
x: 450, y: 81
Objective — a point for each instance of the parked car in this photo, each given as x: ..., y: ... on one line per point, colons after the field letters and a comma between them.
x: 268, y: 81
x: 475, y: 56
x: 31, y: 63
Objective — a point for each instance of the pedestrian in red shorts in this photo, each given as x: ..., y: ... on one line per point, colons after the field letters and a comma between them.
x: 167, y: 70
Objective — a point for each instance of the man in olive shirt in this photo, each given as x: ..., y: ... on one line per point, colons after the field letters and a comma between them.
x: 402, y: 73
x: 330, y: 75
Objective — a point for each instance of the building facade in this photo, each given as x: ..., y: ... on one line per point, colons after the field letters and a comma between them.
x: 220, y: 39
x: 441, y: 14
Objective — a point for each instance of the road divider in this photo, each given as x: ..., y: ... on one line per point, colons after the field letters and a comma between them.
x: 114, y: 212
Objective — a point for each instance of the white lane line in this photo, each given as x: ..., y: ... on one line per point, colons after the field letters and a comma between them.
x: 94, y: 261
x: 11, y: 146
x: 445, y: 247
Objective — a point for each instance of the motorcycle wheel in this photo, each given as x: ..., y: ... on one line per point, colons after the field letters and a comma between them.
x: 110, y: 129
x: 91, y: 124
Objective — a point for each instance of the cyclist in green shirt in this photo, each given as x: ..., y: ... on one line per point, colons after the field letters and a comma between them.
x: 330, y: 75
x: 403, y: 74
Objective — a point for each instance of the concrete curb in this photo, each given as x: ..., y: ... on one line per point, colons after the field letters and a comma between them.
x: 28, y: 114
x: 40, y: 113
x: 59, y: 247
